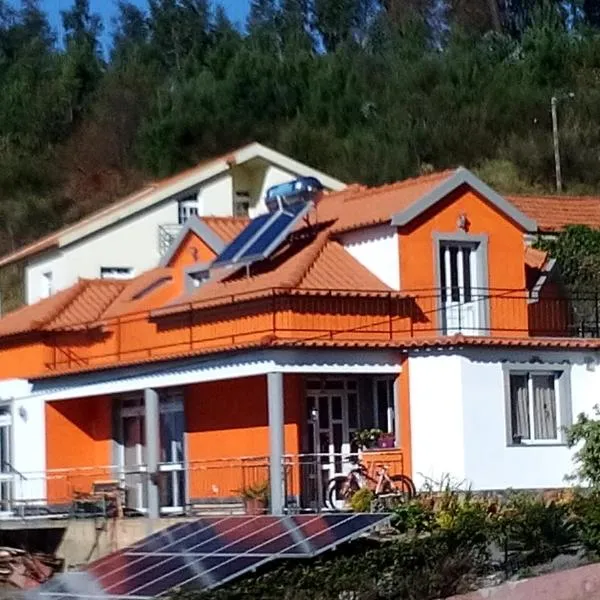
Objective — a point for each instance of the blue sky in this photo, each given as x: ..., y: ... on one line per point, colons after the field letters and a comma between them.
x: 237, y: 10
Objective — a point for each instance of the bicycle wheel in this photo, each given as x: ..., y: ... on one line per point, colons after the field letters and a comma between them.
x: 339, y: 491
x: 403, y: 484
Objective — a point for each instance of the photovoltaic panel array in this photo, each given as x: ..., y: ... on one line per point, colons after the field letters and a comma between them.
x: 262, y: 236
x: 205, y: 554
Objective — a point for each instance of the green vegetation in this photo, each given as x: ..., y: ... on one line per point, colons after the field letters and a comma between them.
x: 367, y: 90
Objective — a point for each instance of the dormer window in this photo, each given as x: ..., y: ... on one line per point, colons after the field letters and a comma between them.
x: 187, y: 208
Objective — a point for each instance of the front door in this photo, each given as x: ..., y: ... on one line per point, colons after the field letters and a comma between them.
x: 461, y: 300
x: 133, y: 452
x: 172, y: 433
x: 332, y: 420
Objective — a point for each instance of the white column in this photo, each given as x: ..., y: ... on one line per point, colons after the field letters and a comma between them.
x: 276, y: 441
x: 151, y: 420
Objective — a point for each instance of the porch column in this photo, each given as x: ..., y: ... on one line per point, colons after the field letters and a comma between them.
x: 152, y: 426
x: 276, y: 442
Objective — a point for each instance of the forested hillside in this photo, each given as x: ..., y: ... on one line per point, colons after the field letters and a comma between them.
x: 367, y: 90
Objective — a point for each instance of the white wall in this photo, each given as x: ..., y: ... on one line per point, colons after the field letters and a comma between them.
x: 28, y: 438
x: 436, y: 418
x: 458, y: 416
x: 34, y: 275
x: 216, y: 197
x: 131, y: 243
x: 489, y: 462
x: 377, y: 249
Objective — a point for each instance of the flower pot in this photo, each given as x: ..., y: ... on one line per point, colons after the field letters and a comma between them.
x: 255, y: 506
x: 385, y: 441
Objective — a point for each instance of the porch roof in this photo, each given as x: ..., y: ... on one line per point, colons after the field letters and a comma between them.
x: 231, y: 365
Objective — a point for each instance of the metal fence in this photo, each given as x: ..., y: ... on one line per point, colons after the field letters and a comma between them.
x: 185, y: 488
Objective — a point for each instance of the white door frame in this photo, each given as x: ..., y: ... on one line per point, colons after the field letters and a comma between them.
x: 479, y: 305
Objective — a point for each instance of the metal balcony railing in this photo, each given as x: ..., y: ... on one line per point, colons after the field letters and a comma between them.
x: 325, y: 315
x: 205, y: 485
x: 166, y: 236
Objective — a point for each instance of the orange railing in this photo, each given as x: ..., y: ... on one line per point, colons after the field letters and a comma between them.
x: 332, y: 315
x: 203, y: 483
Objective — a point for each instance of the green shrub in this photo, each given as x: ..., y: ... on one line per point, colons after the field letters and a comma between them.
x: 586, y: 508
x: 538, y: 529
x: 361, y: 500
x: 415, y: 516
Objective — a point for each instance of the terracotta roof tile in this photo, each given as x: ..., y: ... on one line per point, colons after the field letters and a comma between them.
x: 357, y: 206
x: 336, y: 269
x: 135, y: 296
x: 424, y: 344
x: 226, y: 228
x: 535, y: 258
x: 94, y: 297
x: 553, y: 213
x: 77, y: 305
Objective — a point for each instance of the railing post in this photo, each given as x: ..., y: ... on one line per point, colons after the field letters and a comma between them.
x: 118, y: 338
x: 596, y: 310
x: 191, y: 327
x: 391, y: 327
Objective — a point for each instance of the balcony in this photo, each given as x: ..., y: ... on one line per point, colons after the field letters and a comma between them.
x: 282, y: 315
x: 166, y: 236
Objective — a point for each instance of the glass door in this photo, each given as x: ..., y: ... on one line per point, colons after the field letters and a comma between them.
x: 332, y: 411
x: 172, y: 454
x: 134, y: 460
x: 461, y: 300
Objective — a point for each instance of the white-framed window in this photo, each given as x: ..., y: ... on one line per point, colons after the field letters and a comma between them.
x: 384, y: 414
x: 47, y: 286
x: 187, y: 208
x: 538, y: 405
x: 116, y: 272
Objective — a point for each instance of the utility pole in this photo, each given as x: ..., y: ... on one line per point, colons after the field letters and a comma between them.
x: 553, y: 104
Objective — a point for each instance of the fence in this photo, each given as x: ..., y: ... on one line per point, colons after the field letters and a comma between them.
x: 325, y: 315
x: 202, y: 484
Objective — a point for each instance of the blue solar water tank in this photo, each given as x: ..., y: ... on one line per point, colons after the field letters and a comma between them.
x: 303, y: 189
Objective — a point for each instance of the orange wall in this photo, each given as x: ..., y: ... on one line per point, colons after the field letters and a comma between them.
x: 229, y: 420
x: 505, y: 253
x: 78, y: 435
x: 191, y: 250
x: 24, y: 358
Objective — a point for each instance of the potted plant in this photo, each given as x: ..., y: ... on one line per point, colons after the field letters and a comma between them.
x: 367, y: 438
x: 255, y: 497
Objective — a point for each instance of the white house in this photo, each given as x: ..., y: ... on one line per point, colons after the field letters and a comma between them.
x: 146, y: 222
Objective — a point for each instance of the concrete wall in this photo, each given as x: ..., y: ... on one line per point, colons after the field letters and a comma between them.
x: 34, y: 272
x: 377, y: 249
x: 573, y: 584
x: 139, y: 234
x: 216, y: 197
x: 28, y: 454
x: 436, y: 418
x: 458, y: 410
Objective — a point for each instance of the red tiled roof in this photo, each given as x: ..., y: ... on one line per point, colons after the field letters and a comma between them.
x: 357, y: 206
x: 227, y: 228
x: 554, y: 213
x: 425, y: 344
x: 76, y: 306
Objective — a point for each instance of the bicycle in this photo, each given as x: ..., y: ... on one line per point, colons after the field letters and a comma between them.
x: 343, y: 487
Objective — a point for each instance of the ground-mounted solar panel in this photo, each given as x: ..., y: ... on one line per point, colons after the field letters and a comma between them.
x: 205, y: 554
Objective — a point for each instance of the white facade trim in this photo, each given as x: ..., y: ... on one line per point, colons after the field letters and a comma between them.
x: 217, y: 369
